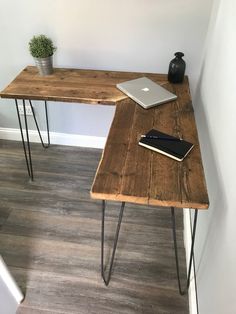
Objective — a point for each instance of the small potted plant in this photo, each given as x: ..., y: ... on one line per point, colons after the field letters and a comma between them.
x: 42, y: 49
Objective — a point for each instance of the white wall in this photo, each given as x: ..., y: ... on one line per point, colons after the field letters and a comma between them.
x: 128, y: 35
x: 10, y: 294
x: 215, y: 105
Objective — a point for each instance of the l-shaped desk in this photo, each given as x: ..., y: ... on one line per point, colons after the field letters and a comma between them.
x: 127, y: 172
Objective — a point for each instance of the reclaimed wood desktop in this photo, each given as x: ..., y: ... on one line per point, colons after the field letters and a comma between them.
x: 131, y: 173
x: 128, y: 172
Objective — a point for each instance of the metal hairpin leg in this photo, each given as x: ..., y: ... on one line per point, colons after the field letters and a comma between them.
x: 181, y: 291
x: 28, y: 158
x: 36, y: 123
x: 106, y: 281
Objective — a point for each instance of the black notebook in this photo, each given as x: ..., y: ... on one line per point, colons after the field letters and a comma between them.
x: 165, y: 144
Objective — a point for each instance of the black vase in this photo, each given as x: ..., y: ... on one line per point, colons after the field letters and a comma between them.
x: 177, y: 69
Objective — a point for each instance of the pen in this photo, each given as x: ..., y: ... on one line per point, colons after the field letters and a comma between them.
x: 161, y: 138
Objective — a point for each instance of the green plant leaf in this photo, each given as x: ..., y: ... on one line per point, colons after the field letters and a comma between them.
x: 41, y: 47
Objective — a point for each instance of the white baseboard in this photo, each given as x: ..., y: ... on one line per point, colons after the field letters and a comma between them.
x: 10, y: 283
x: 55, y: 138
x: 187, y: 243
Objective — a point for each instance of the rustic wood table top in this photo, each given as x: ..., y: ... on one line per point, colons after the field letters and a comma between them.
x: 128, y: 172
x: 71, y: 85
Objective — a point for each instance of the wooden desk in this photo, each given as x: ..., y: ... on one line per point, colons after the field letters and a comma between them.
x: 127, y: 172
x: 130, y: 173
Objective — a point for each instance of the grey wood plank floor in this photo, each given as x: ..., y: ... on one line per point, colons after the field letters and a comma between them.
x: 50, y: 239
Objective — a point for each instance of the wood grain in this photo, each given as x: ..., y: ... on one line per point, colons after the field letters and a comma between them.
x: 109, y: 173
x: 138, y: 175
x: 50, y: 239
x: 128, y: 172
x: 72, y: 85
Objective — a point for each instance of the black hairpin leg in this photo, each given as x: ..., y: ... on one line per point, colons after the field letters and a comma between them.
x: 181, y: 291
x: 27, y: 156
x: 36, y: 123
x: 107, y: 280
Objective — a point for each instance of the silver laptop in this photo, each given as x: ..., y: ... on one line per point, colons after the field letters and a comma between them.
x: 146, y: 92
